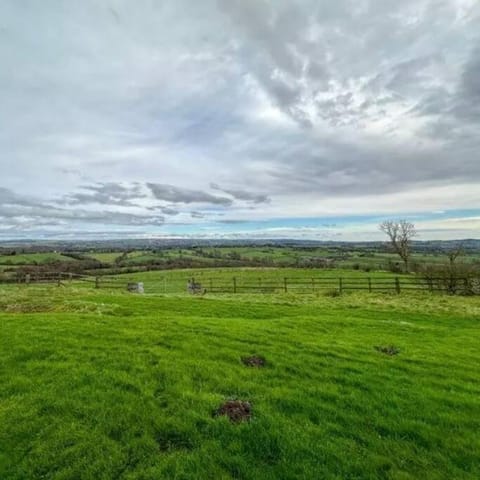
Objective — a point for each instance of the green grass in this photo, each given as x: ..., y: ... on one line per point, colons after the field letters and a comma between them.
x: 105, y: 257
x: 175, y: 281
x: 365, y: 259
x: 98, y: 384
x: 33, y: 259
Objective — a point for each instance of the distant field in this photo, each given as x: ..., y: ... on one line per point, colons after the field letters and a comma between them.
x: 367, y: 260
x: 33, y: 258
x: 108, y: 257
x: 285, y: 255
x: 102, y: 384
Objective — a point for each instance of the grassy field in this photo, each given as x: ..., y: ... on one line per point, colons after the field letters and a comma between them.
x: 106, y: 257
x: 33, y: 259
x: 365, y: 259
x: 101, y: 384
x: 290, y: 255
x: 298, y: 280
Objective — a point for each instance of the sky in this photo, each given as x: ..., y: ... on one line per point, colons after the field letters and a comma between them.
x: 307, y: 119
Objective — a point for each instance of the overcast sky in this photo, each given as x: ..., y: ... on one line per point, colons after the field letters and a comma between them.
x: 239, y: 118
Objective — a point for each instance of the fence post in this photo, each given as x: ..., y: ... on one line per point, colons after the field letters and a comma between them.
x: 210, y: 285
x: 234, y: 285
x: 397, y: 284
x: 285, y: 285
x: 97, y: 282
x: 313, y: 285
x: 369, y: 284
x: 27, y: 279
x: 340, y: 285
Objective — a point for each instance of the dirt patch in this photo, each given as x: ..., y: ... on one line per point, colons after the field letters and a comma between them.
x: 254, y: 361
x: 387, y: 349
x: 236, y: 410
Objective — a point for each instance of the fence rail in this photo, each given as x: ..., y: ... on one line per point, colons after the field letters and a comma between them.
x: 342, y: 284
x: 45, y: 277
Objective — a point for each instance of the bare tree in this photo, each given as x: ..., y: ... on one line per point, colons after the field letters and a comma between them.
x: 453, y: 254
x: 454, y: 277
x: 400, y: 234
x: 453, y: 271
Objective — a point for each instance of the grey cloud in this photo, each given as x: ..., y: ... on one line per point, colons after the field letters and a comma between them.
x: 165, y: 210
x: 7, y: 197
x: 468, y: 105
x: 308, y: 56
x: 173, y: 194
x: 106, y: 194
x: 106, y: 217
x: 414, y: 74
x: 389, y: 92
x: 70, y: 171
x: 239, y: 194
x: 282, y: 57
x: 436, y: 102
x: 231, y: 221
x: 197, y: 215
x: 334, y: 167
x: 21, y: 210
x: 169, y: 211
x: 318, y: 72
x: 276, y: 56
x: 455, y: 113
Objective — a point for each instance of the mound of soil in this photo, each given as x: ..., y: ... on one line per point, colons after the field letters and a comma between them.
x: 236, y: 410
x: 254, y: 361
x: 387, y: 349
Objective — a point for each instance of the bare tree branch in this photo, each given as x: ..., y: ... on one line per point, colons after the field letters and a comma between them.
x: 455, y: 253
x: 400, y: 234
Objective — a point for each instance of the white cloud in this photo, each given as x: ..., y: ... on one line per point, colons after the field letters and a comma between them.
x: 323, y: 108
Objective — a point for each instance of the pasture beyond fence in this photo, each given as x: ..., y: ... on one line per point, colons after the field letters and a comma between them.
x: 249, y: 285
x: 302, y: 285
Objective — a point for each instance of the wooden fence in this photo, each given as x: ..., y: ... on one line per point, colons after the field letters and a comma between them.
x: 65, y: 278
x: 45, y: 277
x: 301, y: 285
x: 247, y: 284
x: 62, y: 278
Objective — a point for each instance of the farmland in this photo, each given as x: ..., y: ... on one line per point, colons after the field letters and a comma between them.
x: 99, y: 383
x: 32, y: 259
x: 107, y: 261
x: 240, y: 240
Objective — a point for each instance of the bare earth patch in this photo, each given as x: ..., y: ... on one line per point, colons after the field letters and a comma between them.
x: 254, y: 361
x: 236, y: 410
x: 387, y: 349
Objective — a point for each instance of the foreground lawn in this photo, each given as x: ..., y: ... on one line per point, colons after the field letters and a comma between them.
x: 107, y: 385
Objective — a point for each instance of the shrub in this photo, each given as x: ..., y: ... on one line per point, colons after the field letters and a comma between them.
x: 333, y: 293
x: 453, y: 278
x: 394, y: 267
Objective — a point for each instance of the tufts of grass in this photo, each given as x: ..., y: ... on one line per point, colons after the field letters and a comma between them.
x: 98, y: 384
x: 387, y: 349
